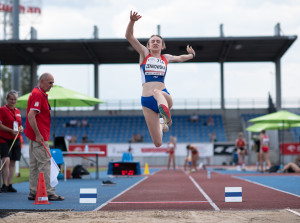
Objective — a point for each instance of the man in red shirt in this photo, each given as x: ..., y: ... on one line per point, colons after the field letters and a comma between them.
x: 37, y: 131
x: 10, y: 150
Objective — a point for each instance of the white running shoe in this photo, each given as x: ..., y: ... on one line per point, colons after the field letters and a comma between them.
x: 165, y: 126
x: 243, y: 167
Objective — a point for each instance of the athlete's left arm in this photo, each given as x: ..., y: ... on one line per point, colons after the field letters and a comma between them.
x: 182, y: 58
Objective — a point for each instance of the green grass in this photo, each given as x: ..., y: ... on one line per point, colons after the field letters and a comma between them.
x: 24, y: 174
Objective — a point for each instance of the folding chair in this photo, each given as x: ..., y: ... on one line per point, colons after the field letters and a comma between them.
x: 127, y: 157
x: 59, y: 159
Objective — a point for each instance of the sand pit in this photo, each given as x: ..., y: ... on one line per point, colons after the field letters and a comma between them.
x: 155, y: 216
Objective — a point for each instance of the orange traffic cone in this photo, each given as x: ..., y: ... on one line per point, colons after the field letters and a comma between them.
x: 41, y: 191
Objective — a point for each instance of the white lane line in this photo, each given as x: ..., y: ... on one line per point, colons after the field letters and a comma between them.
x: 265, y: 186
x: 107, y: 202
x: 294, y: 212
x: 204, y: 194
x: 157, y: 202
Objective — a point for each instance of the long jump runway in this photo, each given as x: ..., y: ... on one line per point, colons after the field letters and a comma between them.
x: 176, y: 190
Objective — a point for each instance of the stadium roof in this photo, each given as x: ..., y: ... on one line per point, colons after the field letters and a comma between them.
x: 119, y: 51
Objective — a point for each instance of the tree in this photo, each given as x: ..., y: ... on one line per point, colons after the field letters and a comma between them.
x: 24, y: 79
x: 6, y: 82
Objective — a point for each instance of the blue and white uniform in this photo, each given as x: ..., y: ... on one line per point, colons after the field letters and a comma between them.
x: 153, y: 69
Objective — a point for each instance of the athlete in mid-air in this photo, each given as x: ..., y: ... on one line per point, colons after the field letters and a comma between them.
x: 155, y: 97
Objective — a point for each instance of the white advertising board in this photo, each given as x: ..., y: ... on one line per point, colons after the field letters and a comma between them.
x: 148, y: 149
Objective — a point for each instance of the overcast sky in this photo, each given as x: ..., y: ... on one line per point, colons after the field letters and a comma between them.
x: 191, y: 18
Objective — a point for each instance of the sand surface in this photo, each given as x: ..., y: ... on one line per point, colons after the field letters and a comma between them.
x: 156, y: 216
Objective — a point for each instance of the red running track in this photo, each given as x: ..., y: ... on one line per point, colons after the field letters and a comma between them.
x: 176, y: 190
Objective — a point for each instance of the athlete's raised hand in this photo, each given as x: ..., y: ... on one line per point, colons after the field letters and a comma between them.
x: 134, y: 16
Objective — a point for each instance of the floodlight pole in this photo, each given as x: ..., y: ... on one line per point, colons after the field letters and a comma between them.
x: 278, y: 83
x: 278, y: 71
x: 96, y: 71
x: 15, y: 82
x: 16, y: 19
x: 222, y: 85
x: 96, y: 79
x: 222, y: 72
x: 33, y: 67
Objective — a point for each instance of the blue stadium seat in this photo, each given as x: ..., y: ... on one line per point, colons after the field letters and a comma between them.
x: 110, y: 129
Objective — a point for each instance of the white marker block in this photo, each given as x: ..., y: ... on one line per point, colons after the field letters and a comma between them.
x: 233, y: 194
x: 88, y: 195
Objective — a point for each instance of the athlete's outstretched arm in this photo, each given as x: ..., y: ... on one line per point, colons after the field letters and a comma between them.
x: 185, y: 57
x: 141, y: 49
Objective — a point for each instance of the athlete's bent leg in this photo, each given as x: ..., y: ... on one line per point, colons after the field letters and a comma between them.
x: 154, y: 127
x: 164, y: 102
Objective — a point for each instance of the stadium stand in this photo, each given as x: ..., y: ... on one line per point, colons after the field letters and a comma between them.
x: 119, y: 129
x: 296, y: 133
x: 247, y: 117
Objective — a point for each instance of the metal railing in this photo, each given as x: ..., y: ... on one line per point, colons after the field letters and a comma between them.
x: 193, y: 103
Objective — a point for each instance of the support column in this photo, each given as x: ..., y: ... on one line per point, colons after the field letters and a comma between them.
x: 222, y: 85
x: 33, y: 67
x: 96, y: 83
x: 15, y: 80
x: 33, y: 75
x: 278, y: 83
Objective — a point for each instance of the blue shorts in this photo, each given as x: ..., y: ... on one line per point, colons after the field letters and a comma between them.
x: 151, y: 103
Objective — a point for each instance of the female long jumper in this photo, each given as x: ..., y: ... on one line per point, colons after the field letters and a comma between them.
x: 155, y: 97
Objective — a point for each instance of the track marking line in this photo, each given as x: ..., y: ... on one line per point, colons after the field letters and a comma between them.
x: 158, y: 202
x: 266, y: 186
x: 294, y: 212
x: 204, y: 194
x: 107, y: 202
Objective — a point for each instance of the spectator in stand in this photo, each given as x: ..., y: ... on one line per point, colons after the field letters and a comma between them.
x: 210, y: 121
x: 73, y: 123
x: 194, y: 118
x: 84, y: 123
x: 73, y: 139
x: 139, y: 138
x: 78, y: 123
x: 84, y: 138
x: 133, y: 138
x: 68, y: 137
x: 213, y: 137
